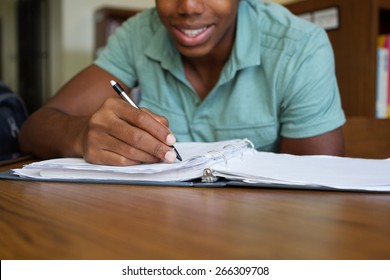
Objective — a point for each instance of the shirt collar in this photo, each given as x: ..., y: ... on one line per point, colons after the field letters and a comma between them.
x: 246, y: 49
x: 161, y: 49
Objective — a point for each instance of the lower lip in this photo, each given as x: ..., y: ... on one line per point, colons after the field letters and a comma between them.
x: 193, y: 41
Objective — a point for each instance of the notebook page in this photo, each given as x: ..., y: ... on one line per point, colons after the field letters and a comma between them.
x: 196, y: 156
x: 336, y: 172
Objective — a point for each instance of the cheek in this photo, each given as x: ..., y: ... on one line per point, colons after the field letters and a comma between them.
x: 163, y: 17
x: 164, y: 8
x: 227, y: 18
x: 226, y: 12
x: 224, y: 6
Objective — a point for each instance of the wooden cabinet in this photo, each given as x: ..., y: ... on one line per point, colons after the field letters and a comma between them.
x: 107, y: 19
x: 355, y: 44
x: 354, y: 41
x: 367, y: 137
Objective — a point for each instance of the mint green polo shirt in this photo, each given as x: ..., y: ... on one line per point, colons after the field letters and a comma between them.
x: 279, y: 81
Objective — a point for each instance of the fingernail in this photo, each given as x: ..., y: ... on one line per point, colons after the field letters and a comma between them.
x: 171, y: 139
x: 170, y: 156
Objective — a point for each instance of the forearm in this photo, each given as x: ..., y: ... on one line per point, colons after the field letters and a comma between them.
x: 330, y: 143
x: 51, y: 133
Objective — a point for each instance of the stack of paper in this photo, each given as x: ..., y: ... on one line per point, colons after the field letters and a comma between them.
x: 233, y: 160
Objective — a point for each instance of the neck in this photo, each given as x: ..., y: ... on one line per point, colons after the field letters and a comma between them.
x: 203, y: 72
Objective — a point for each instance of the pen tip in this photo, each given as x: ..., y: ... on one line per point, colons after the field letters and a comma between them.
x: 177, y: 153
x: 112, y: 82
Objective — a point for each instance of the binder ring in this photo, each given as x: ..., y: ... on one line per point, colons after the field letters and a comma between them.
x: 208, y: 176
x: 219, y: 153
x: 250, y: 143
x: 236, y: 147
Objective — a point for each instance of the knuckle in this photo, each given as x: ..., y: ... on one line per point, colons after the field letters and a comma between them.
x: 93, y: 120
x: 159, y: 150
x: 130, y: 152
x: 159, y: 131
x: 96, y: 122
x: 136, y: 137
x: 164, y: 121
x: 109, y: 102
x: 122, y: 161
x: 90, y: 156
x: 140, y: 118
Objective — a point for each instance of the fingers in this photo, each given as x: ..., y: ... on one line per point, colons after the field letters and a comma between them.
x: 160, y: 119
x: 119, y: 134
x: 115, y: 152
x: 148, y: 130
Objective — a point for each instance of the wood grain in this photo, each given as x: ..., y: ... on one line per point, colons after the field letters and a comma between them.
x: 42, y: 220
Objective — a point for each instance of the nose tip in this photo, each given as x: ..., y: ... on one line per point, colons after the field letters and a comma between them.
x: 190, y: 7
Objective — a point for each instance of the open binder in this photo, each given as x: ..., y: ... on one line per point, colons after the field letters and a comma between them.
x: 225, y: 163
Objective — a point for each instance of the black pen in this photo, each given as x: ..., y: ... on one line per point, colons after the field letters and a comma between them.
x: 125, y: 97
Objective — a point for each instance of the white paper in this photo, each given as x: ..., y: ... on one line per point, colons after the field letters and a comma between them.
x: 233, y: 160
x: 335, y: 172
x: 196, y: 157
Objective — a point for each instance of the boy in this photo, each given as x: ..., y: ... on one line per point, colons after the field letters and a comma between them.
x: 208, y: 70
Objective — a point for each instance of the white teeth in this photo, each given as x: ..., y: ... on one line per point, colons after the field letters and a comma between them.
x: 193, y: 32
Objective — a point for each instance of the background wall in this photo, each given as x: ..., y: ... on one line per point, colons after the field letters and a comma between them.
x: 8, y: 42
x: 78, y: 30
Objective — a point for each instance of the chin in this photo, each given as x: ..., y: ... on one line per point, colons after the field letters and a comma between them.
x: 193, y: 52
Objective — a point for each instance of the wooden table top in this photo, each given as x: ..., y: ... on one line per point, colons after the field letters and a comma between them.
x: 51, y: 220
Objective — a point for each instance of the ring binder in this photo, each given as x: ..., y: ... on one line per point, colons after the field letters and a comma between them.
x: 250, y: 143
x: 236, y: 147
x: 219, y: 153
x: 218, y: 164
x: 208, y: 176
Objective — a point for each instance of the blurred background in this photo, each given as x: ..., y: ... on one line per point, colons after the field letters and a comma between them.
x: 43, y: 43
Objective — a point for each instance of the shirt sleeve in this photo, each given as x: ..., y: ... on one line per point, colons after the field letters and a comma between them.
x: 118, y: 56
x: 311, y: 105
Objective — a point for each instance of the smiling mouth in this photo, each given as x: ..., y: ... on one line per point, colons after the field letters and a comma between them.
x: 191, y: 33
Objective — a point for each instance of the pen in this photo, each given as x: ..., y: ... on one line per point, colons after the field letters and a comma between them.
x: 125, y: 97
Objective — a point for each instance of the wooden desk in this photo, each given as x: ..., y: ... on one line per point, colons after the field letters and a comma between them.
x: 41, y: 220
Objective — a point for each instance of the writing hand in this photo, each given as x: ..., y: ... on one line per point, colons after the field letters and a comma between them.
x: 119, y: 134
